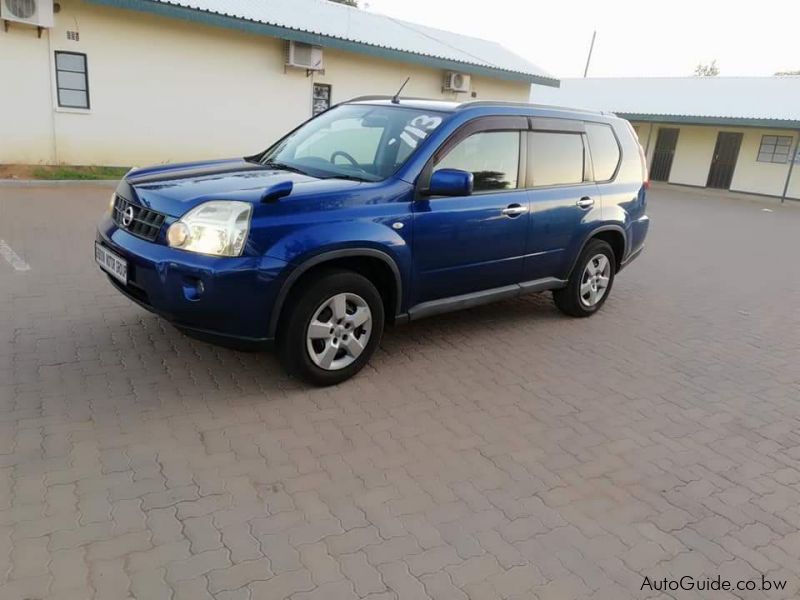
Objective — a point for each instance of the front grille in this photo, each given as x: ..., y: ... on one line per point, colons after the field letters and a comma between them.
x: 141, y: 222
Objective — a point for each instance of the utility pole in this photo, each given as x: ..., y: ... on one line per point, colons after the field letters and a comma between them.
x: 589, y: 58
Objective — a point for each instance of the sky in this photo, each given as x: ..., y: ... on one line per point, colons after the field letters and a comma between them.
x: 634, y: 39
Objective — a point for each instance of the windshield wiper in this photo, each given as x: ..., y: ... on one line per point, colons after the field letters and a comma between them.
x: 349, y: 177
x: 283, y: 167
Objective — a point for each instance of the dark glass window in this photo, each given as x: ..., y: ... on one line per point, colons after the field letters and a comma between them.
x: 72, y: 80
x: 605, y: 150
x: 775, y: 149
x: 321, y: 98
x: 491, y: 156
x: 555, y: 158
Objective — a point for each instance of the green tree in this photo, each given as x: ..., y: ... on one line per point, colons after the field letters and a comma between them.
x: 709, y: 70
x: 347, y: 2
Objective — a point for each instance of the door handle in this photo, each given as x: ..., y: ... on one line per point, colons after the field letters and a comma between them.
x: 585, y: 202
x: 515, y: 210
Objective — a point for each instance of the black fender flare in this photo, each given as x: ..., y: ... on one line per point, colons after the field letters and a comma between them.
x: 594, y: 232
x: 324, y: 257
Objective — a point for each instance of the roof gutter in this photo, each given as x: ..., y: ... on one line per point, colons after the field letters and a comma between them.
x: 296, y: 35
x: 721, y: 121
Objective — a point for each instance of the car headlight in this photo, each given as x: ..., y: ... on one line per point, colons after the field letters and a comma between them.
x: 218, y: 228
x: 111, y: 203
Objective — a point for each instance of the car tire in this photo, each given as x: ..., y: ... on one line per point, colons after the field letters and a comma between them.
x: 590, y: 282
x: 340, y: 300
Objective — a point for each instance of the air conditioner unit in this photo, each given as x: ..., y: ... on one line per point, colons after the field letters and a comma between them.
x: 304, y: 56
x: 38, y: 13
x: 456, y: 82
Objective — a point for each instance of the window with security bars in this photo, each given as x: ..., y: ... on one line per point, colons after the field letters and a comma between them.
x: 72, y: 80
x: 775, y: 149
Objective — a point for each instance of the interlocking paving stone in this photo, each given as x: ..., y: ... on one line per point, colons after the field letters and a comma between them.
x: 504, y: 452
x: 239, y: 575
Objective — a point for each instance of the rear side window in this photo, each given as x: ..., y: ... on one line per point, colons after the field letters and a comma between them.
x: 555, y: 158
x: 631, y: 170
x: 605, y: 150
x: 491, y: 156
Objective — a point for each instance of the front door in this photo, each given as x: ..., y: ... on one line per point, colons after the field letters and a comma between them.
x: 470, y: 243
x: 663, y: 154
x: 724, y: 161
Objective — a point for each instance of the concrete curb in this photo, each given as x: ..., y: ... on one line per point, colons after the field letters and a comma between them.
x: 731, y: 195
x: 57, y: 182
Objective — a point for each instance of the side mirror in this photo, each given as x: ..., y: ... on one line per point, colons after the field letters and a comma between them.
x: 450, y: 182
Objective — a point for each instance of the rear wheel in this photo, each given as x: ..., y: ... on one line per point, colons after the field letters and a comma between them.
x: 590, y: 282
x: 333, y: 327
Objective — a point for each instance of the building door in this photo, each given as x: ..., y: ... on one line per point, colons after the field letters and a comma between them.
x: 664, y: 153
x: 724, y: 162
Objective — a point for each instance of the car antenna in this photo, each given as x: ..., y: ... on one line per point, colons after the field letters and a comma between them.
x: 396, y: 97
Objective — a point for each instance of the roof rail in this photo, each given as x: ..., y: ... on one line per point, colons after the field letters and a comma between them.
x: 386, y: 97
x: 471, y: 103
x: 478, y: 103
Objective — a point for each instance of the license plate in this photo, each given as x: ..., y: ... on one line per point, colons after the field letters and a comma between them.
x: 111, y: 263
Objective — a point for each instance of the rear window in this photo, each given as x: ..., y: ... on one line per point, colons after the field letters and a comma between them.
x: 555, y: 158
x: 605, y: 150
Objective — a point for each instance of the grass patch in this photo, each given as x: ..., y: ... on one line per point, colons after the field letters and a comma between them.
x: 60, y: 172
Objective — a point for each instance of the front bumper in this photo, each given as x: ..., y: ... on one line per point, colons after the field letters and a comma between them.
x: 225, y: 297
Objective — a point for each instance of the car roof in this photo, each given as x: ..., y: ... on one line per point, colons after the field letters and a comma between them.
x: 483, y: 106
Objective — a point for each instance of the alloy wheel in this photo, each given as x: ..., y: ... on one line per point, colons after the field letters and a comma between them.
x: 339, y: 331
x: 595, y: 280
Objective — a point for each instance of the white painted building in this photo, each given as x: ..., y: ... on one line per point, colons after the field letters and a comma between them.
x: 130, y: 82
x: 736, y: 133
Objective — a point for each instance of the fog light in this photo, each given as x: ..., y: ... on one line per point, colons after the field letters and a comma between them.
x: 193, y: 288
x: 177, y: 234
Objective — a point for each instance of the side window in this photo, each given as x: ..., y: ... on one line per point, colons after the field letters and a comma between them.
x: 555, y: 158
x: 605, y: 150
x: 491, y: 156
x: 775, y: 149
x: 72, y: 80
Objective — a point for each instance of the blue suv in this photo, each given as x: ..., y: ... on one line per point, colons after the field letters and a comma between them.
x: 380, y: 210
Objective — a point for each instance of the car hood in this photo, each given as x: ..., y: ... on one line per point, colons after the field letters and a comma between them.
x: 175, y: 189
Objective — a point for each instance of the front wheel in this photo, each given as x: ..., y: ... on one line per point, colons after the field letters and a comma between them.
x: 333, y: 328
x: 590, y: 282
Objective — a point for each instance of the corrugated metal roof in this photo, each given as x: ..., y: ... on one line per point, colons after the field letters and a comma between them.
x: 702, y: 98
x: 339, y: 22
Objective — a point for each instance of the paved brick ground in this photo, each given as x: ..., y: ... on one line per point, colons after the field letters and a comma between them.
x: 503, y: 452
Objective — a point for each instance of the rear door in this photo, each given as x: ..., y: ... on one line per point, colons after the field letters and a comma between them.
x: 471, y: 243
x: 564, y: 199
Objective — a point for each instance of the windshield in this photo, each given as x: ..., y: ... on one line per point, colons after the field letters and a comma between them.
x: 354, y: 141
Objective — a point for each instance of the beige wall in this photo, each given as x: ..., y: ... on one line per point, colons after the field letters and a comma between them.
x: 168, y: 90
x: 695, y: 149
x: 760, y: 177
x: 26, y: 107
x: 693, y: 155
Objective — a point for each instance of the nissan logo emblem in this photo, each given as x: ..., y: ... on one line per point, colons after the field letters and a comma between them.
x: 127, y: 216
